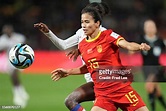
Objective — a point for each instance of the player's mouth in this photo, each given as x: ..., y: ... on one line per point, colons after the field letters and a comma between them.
x: 85, y: 30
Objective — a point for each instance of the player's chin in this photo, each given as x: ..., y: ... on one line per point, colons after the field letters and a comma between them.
x: 86, y: 33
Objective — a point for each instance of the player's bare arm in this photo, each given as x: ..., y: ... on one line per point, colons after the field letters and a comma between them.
x: 42, y: 27
x: 61, y: 73
x: 132, y: 46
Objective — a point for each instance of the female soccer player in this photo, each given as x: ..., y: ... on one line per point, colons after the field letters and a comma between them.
x: 100, y: 49
x: 84, y: 92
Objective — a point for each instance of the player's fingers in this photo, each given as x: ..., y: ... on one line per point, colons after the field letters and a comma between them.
x: 42, y: 23
x: 142, y: 46
x: 69, y: 53
x: 75, y: 57
x: 72, y: 56
x: 55, y: 71
x: 54, y: 75
x: 145, y: 47
x: 36, y: 25
x: 55, y: 78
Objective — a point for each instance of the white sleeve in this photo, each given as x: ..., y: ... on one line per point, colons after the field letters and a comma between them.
x: 63, y: 44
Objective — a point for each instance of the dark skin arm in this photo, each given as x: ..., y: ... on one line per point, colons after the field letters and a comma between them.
x: 60, y: 73
x: 42, y: 27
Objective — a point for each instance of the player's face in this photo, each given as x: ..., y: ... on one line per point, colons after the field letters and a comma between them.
x: 88, y: 24
x: 7, y: 30
x: 150, y: 28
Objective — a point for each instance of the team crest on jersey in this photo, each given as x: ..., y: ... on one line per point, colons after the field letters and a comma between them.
x: 89, y: 51
x: 99, y: 48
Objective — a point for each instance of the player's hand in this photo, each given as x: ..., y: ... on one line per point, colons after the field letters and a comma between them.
x: 73, y: 54
x: 58, y: 74
x: 144, y: 47
x: 42, y: 27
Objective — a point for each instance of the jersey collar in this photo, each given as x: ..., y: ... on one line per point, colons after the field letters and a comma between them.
x: 91, y: 40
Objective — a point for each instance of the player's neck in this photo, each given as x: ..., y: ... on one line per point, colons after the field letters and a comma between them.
x: 151, y: 35
x: 94, y: 34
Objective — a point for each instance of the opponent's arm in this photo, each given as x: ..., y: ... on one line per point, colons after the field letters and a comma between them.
x: 61, y: 44
x: 133, y: 46
x: 60, y: 73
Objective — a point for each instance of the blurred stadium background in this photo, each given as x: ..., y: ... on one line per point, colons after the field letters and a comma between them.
x: 63, y: 18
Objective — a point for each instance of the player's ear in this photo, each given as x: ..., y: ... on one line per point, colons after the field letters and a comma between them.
x: 98, y: 24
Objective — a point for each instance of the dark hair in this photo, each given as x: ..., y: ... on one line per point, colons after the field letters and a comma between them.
x: 94, y: 13
x: 102, y: 7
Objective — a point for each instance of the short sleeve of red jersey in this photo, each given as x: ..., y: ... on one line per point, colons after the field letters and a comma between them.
x: 113, y: 37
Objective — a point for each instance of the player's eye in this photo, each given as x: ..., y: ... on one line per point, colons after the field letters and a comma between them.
x: 87, y: 21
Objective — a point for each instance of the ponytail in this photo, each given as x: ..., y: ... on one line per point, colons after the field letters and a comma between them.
x: 102, y: 8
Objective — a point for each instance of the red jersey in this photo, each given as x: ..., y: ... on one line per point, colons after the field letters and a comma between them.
x: 101, y: 51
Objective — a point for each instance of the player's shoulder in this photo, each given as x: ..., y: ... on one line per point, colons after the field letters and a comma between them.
x: 160, y: 38
x: 18, y: 34
x: 18, y: 37
x: 102, y: 28
x: 161, y: 41
x: 3, y: 36
x: 111, y: 33
x: 108, y: 31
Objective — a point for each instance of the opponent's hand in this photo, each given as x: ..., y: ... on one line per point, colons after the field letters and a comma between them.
x: 73, y: 54
x: 144, y: 47
x: 42, y: 27
x: 58, y: 74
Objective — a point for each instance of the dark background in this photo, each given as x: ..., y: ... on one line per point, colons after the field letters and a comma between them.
x: 63, y: 18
